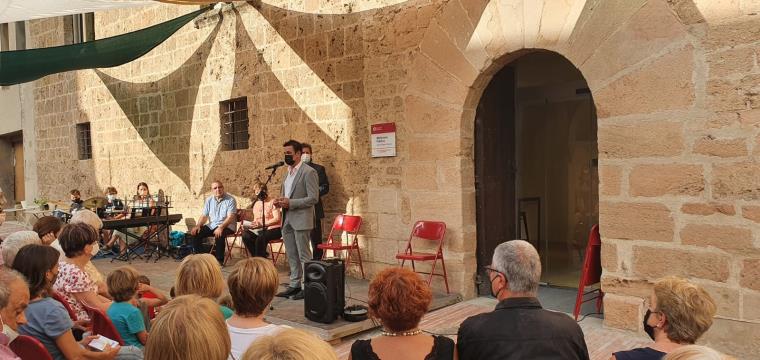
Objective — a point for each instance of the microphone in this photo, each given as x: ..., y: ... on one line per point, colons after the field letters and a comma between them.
x: 275, y: 165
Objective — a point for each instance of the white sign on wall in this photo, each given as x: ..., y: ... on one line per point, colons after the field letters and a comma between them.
x: 384, y: 140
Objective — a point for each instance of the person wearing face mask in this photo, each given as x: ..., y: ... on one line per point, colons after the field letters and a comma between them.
x: 319, y: 211
x: 90, y: 218
x: 678, y: 313
x: 74, y: 283
x: 299, y: 194
x: 14, y: 242
x: 519, y: 328
x: 46, y: 319
x: 114, y: 211
x: 14, y: 297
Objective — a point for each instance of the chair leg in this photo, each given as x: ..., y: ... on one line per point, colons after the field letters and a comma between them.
x: 361, y: 266
x: 432, y: 271
x: 578, y: 302
x: 445, y: 275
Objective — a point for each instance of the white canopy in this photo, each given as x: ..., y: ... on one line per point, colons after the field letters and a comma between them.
x: 19, y: 10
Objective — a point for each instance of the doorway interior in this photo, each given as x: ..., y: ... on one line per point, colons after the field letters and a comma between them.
x: 536, y: 164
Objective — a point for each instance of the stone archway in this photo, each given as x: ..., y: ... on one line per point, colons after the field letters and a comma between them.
x: 640, y: 63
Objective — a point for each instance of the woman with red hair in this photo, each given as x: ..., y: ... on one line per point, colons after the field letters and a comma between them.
x: 398, y: 298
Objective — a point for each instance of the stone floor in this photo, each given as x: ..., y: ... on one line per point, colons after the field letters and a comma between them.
x: 601, y: 341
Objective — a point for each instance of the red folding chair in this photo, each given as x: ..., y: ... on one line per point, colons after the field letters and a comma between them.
x: 102, y: 324
x: 349, y: 224
x: 431, y: 231
x: 29, y: 348
x: 591, y: 273
x: 58, y: 297
x: 276, y: 255
x: 237, y: 234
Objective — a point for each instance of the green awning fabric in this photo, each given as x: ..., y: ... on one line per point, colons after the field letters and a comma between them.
x: 28, y: 65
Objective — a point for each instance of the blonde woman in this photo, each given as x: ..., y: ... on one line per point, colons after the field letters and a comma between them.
x: 678, y: 313
x: 695, y: 352
x: 252, y: 283
x: 290, y: 344
x: 190, y: 327
x: 201, y: 275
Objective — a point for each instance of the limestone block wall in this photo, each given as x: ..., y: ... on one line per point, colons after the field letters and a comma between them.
x: 674, y: 82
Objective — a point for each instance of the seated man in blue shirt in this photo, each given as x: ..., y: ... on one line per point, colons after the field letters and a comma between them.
x: 219, y: 219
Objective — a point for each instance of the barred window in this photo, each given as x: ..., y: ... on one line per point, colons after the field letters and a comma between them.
x: 79, y: 28
x: 84, y: 141
x: 234, y: 117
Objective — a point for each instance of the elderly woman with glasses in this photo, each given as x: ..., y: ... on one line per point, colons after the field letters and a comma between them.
x: 678, y: 313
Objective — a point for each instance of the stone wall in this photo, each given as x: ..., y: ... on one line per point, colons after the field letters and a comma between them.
x: 674, y: 82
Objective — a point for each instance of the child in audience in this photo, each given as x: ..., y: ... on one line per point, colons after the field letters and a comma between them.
x: 143, y: 294
x: 190, y: 327
x: 126, y: 317
x: 292, y: 344
x: 226, y: 301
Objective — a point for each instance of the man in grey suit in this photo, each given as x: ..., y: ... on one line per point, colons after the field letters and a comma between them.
x: 300, y: 192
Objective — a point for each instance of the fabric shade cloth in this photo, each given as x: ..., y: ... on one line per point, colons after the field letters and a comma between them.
x: 27, y: 65
x: 20, y: 10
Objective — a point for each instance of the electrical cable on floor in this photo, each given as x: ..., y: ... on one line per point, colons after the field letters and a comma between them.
x: 586, y: 315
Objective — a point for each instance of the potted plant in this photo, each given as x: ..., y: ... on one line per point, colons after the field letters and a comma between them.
x: 42, y: 203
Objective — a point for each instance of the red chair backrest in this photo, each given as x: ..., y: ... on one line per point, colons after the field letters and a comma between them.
x: 429, y: 230
x: 591, y: 273
x: 102, y: 325
x: 29, y: 348
x: 348, y: 223
x: 58, y: 297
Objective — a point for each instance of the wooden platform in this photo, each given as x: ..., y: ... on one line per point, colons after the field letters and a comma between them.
x: 286, y: 311
x: 291, y: 312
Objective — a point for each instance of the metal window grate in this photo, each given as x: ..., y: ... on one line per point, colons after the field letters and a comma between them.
x: 234, y: 117
x: 84, y: 141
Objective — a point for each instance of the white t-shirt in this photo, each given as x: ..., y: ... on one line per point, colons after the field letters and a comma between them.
x: 242, y: 338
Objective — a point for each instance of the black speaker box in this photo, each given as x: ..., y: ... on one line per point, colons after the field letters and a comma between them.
x: 324, y: 290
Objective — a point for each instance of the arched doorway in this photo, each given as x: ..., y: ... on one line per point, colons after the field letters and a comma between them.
x: 536, y: 164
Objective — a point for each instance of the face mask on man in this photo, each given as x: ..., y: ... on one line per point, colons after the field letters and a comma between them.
x: 7, y: 334
x: 306, y: 158
x: 111, y: 197
x: 289, y: 159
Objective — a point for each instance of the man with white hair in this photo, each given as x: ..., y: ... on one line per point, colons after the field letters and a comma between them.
x: 14, y: 298
x: 519, y: 328
x: 14, y: 242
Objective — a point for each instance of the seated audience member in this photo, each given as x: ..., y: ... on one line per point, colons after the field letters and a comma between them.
x: 48, y: 228
x: 149, y: 297
x: 252, y: 283
x: 218, y: 219
x: 126, y: 317
x: 290, y: 344
x: 47, y: 319
x: 695, y: 352
x: 90, y: 218
x: 76, y: 201
x: 678, y: 313
x: 519, y: 328
x: 203, y: 333
x: 14, y: 298
x: 73, y: 282
x: 14, y: 242
x: 201, y: 275
x: 254, y: 238
x: 398, y: 298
